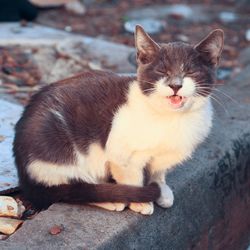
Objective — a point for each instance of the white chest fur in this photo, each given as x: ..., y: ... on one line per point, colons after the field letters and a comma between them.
x: 138, y: 135
x: 141, y: 133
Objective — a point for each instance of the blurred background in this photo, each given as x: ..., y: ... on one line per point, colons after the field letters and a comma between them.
x: 113, y: 21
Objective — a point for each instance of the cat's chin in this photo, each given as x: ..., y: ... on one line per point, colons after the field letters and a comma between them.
x: 176, y: 101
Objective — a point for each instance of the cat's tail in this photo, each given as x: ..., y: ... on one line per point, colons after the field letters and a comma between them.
x: 42, y: 197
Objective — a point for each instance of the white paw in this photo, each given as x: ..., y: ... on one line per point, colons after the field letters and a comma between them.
x: 143, y: 208
x: 119, y: 206
x: 167, y: 197
x: 111, y: 206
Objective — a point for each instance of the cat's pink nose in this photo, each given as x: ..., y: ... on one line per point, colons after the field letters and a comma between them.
x: 175, y: 88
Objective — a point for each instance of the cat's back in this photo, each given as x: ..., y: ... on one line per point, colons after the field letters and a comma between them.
x: 94, y: 89
x: 87, y: 87
x: 82, y: 106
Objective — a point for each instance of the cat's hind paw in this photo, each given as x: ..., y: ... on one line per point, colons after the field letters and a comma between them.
x: 143, y: 208
x: 111, y: 206
x: 167, y: 197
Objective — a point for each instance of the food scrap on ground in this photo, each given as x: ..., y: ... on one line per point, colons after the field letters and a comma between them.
x: 56, y: 229
x: 10, y: 208
x: 9, y: 225
x: 10, y: 213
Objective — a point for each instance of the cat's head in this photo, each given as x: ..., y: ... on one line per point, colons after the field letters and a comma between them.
x: 177, y: 76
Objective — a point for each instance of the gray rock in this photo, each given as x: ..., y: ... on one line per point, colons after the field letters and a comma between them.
x: 110, y: 55
x: 182, y: 38
x: 151, y: 26
x: 224, y: 73
x: 227, y: 17
x: 181, y: 9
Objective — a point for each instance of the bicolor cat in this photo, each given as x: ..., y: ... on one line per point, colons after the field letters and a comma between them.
x: 77, y: 134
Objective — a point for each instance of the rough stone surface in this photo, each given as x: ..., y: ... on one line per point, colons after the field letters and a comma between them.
x: 9, y: 114
x: 244, y: 56
x: 212, y: 199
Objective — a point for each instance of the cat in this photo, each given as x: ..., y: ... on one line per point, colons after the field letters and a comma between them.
x: 91, y: 137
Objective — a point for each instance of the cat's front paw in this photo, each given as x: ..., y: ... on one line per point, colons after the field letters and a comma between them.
x: 167, y: 197
x: 146, y: 208
x: 111, y: 206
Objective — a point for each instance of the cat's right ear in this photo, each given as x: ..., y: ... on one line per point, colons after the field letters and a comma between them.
x: 146, y: 47
x: 211, y: 47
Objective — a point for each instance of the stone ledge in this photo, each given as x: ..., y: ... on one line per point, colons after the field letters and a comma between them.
x: 211, y: 209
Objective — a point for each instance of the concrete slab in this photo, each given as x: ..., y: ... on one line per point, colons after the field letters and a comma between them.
x: 211, y: 209
x: 9, y: 114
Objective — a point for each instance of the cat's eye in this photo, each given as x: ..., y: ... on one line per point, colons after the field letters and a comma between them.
x: 161, y: 72
x: 191, y: 73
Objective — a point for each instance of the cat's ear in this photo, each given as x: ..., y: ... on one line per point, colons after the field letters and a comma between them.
x: 146, y: 47
x: 211, y: 46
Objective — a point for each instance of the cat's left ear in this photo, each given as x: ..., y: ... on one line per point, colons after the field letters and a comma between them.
x: 211, y: 47
x: 146, y: 47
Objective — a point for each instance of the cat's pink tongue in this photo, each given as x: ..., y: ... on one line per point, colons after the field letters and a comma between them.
x: 175, y: 99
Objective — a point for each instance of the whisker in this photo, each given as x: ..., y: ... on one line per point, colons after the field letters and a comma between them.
x: 221, y: 92
x: 217, y: 101
x: 228, y: 96
x: 147, y: 81
x: 148, y: 90
x: 205, y: 84
x: 208, y: 93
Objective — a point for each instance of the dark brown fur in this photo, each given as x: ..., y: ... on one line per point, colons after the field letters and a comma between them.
x: 88, y: 103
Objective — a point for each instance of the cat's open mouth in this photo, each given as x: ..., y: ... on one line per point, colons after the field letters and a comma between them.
x: 176, y: 101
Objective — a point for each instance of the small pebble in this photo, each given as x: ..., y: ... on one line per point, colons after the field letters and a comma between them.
x: 179, y: 11
x: 248, y: 35
x: 223, y: 73
x: 16, y: 30
x: 56, y: 229
x: 75, y: 7
x: 182, y: 38
x: 227, y: 17
x: 68, y: 28
x: 95, y: 65
x: 151, y: 26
